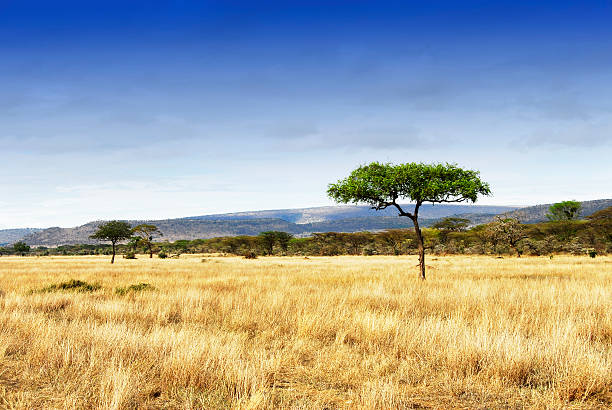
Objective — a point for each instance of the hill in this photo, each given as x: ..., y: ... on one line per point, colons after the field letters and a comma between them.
x: 300, y: 222
x: 537, y: 213
x: 330, y: 213
x: 8, y: 236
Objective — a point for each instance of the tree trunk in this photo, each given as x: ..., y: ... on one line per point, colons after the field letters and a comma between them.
x: 420, y: 246
x: 150, y: 252
x: 113, y: 258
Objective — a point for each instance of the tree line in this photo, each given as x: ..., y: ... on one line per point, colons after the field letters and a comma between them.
x: 503, y: 236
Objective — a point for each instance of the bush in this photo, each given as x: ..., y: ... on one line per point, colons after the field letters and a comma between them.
x: 250, y: 255
x: 133, y: 288
x: 129, y: 255
x: 71, y: 285
x: 162, y: 255
x: 592, y: 253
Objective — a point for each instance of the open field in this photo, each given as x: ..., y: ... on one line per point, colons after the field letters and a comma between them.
x: 337, y: 332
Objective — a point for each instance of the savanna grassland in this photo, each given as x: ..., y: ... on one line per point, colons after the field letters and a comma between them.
x: 323, y: 332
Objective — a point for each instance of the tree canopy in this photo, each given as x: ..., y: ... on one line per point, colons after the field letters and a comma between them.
x: 382, y: 185
x: 452, y: 224
x: 564, y: 211
x: 146, y: 233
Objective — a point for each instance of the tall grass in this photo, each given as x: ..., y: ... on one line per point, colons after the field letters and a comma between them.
x: 345, y: 332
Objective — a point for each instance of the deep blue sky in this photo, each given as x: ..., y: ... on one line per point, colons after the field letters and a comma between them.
x: 163, y: 109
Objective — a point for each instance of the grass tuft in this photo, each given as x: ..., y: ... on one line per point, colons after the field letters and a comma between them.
x: 133, y: 288
x: 73, y: 285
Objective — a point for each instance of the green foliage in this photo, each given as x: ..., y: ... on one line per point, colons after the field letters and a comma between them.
x: 121, y: 291
x: 21, y: 248
x: 72, y: 285
x: 146, y: 233
x: 129, y: 255
x: 381, y: 185
x: 162, y: 254
x: 113, y: 231
x: 451, y: 224
x: 564, y: 211
x: 250, y: 255
x: 269, y: 239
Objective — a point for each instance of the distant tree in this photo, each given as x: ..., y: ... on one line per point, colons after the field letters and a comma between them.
x: 113, y: 232
x: 283, y: 239
x: 450, y: 224
x: 269, y: 239
x: 357, y: 241
x: 146, y: 233
x: 394, y: 239
x: 507, y: 230
x: 21, y: 248
x: 564, y: 211
x: 382, y: 185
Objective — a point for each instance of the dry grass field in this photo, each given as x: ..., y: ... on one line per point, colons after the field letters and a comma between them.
x: 338, y: 332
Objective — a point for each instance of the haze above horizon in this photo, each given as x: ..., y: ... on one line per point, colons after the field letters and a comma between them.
x: 165, y: 109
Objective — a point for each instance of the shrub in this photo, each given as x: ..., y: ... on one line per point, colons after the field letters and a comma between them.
x: 162, y: 255
x: 129, y: 255
x: 133, y: 288
x: 71, y: 285
x: 250, y: 255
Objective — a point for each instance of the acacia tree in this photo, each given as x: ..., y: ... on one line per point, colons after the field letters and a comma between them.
x: 508, y: 230
x: 113, y: 232
x: 564, y: 211
x: 382, y: 185
x: 146, y: 233
x: 450, y: 224
x: 269, y: 239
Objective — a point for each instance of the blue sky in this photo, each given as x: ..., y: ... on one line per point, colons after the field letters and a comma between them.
x: 164, y: 109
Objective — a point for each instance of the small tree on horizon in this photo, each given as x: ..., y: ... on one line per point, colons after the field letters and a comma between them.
x: 450, y: 224
x: 146, y: 233
x: 113, y: 232
x: 21, y: 248
x: 382, y: 185
x: 564, y: 211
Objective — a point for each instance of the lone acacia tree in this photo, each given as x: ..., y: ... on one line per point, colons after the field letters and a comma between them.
x: 382, y: 185
x: 564, y: 211
x: 146, y: 233
x: 113, y: 232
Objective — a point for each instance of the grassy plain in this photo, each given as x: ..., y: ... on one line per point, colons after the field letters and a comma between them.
x: 329, y: 332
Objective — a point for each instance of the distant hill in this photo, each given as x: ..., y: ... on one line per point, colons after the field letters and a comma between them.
x: 175, y: 229
x: 9, y: 236
x: 537, y: 213
x: 330, y: 213
x: 300, y: 222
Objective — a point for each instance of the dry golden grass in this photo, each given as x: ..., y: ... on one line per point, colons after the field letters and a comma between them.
x: 342, y: 332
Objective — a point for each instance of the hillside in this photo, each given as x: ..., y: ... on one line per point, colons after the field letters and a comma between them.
x: 300, y: 222
x: 330, y: 213
x: 8, y: 236
x: 537, y: 213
